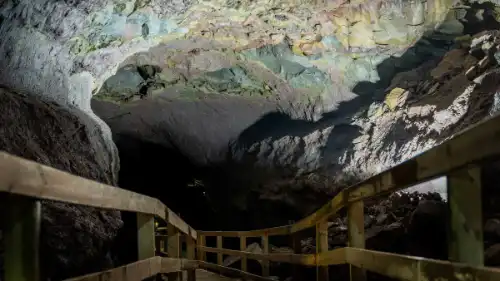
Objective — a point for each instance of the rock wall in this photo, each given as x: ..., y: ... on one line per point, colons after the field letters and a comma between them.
x: 302, y: 99
x: 75, y: 239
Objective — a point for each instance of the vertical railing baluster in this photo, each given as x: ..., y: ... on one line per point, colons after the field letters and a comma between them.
x: 356, y: 235
x: 265, y: 250
x: 322, y: 246
x: 201, y: 242
x: 22, y: 239
x: 191, y: 274
x: 297, y: 249
x: 243, y: 247
x: 174, y: 250
x: 145, y: 236
x: 219, y: 246
x: 465, y: 243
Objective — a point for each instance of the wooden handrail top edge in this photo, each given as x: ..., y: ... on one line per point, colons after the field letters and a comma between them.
x: 28, y: 178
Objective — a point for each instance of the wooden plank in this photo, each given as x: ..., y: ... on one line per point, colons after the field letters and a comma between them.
x: 470, y: 146
x: 243, y: 247
x: 297, y: 249
x: 190, y: 245
x: 145, y: 236
x: 24, y: 177
x: 308, y: 260
x: 356, y: 235
x: 232, y: 272
x: 140, y: 270
x: 174, y: 250
x: 265, y: 251
x: 273, y: 231
x: 200, y: 244
x: 219, y: 246
x: 409, y: 268
x: 332, y: 257
x: 22, y: 239
x: 465, y: 243
x: 322, y: 246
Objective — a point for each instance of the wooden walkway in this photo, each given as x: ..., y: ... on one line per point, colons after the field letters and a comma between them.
x: 459, y: 159
x: 203, y: 275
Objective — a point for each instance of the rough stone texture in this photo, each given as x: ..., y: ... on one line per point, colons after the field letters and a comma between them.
x: 75, y: 239
x: 297, y: 91
x: 327, y: 102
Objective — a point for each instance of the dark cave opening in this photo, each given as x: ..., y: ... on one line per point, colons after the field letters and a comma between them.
x: 163, y: 173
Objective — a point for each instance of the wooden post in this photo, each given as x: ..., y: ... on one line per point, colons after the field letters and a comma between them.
x: 465, y: 243
x: 356, y: 235
x: 145, y: 236
x: 243, y: 247
x: 22, y: 238
x: 174, y: 250
x: 322, y: 246
x: 297, y: 249
x: 265, y: 250
x: 219, y: 246
x: 201, y: 243
x: 191, y: 274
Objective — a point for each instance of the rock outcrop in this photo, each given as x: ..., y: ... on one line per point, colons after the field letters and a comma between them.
x: 286, y: 101
x: 75, y: 239
x: 319, y: 97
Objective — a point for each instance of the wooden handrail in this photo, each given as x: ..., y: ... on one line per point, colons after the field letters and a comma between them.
x: 24, y: 177
x: 459, y: 159
x: 469, y: 146
x: 397, y: 266
x: 140, y: 270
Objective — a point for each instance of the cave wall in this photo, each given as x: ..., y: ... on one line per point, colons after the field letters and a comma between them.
x: 75, y: 239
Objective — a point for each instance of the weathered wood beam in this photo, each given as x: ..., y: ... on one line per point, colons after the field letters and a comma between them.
x: 145, y: 236
x: 265, y: 251
x: 22, y: 238
x: 356, y: 235
x: 243, y: 247
x: 174, y: 250
x: 140, y: 270
x: 191, y: 246
x: 465, y: 243
x: 200, y: 245
x: 219, y: 246
x: 232, y: 272
x: 321, y: 247
x: 409, y: 268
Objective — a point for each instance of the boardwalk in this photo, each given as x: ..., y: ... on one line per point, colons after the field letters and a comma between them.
x: 203, y: 275
x: 460, y: 160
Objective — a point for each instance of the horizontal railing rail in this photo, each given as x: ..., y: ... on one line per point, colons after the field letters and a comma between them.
x: 459, y: 159
x: 24, y: 177
x: 469, y: 146
x: 28, y: 182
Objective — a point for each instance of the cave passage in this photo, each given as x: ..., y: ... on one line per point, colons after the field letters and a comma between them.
x: 165, y: 174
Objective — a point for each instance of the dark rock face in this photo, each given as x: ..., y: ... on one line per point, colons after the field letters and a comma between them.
x: 75, y: 239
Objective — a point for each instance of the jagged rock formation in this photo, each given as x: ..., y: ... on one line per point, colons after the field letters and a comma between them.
x: 281, y: 99
x: 75, y: 239
x: 299, y: 108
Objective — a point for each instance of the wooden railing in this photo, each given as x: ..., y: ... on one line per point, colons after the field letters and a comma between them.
x: 459, y: 159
